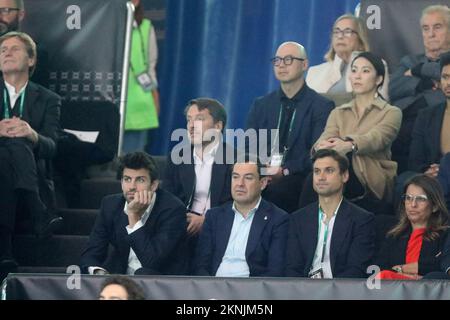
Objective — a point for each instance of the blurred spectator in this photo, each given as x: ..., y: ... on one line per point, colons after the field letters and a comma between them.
x: 363, y: 130
x: 415, y: 245
x: 120, y: 288
x: 414, y: 83
x: 298, y: 115
x: 143, y: 99
x: 348, y: 38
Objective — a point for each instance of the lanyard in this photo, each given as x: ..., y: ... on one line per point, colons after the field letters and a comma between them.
x: 6, y: 104
x: 144, y: 57
x: 325, y: 236
x: 291, y: 126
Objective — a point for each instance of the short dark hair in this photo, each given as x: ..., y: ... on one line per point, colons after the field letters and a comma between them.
x: 445, y: 60
x: 251, y: 158
x: 215, y: 108
x: 138, y: 160
x: 340, y: 159
x: 134, y: 291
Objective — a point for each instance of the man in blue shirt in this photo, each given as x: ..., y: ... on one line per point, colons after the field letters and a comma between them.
x: 244, y: 237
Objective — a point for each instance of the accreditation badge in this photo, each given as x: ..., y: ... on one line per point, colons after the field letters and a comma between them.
x: 145, y: 81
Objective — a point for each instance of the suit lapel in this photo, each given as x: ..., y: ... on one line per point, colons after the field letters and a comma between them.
x: 341, y: 227
x: 311, y: 236
x: 224, y: 225
x: 188, y: 179
x: 260, y: 220
x: 32, y: 112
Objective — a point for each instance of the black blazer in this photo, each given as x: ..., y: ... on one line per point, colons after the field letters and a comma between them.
x: 265, y: 247
x: 393, y: 252
x: 159, y: 244
x: 425, y: 146
x: 180, y: 179
x: 310, y: 120
x: 352, y: 241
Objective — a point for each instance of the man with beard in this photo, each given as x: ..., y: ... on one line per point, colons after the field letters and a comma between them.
x: 12, y: 13
x: 145, y: 225
x: 332, y: 238
x: 245, y: 237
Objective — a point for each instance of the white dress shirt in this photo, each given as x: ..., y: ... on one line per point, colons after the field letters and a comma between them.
x: 324, y: 237
x: 13, y: 95
x: 201, y: 199
x: 133, y: 261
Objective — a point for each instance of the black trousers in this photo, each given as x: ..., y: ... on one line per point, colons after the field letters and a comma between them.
x: 19, y: 182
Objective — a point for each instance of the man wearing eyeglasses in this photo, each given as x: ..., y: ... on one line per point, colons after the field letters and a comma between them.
x: 145, y: 225
x: 299, y: 115
x: 414, y: 84
x: 12, y: 12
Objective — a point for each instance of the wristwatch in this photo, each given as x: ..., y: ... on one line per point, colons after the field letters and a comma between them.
x: 285, y: 172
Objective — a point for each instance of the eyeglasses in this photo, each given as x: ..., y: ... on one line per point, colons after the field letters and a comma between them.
x: 346, y: 32
x: 7, y: 11
x: 419, y: 199
x: 288, y: 60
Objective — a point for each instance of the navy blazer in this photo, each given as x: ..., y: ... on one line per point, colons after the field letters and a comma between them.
x: 265, y: 247
x: 180, y: 179
x: 159, y: 244
x: 425, y: 148
x: 352, y: 241
x: 310, y: 120
x: 393, y: 252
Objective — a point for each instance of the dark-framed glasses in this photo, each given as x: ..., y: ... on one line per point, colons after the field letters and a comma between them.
x: 7, y: 11
x: 347, y: 32
x: 419, y: 199
x: 288, y: 60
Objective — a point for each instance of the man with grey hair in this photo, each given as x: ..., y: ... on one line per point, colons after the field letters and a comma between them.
x: 29, y: 122
x: 413, y: 84
x: 299, y: 115
x: 12, y: 12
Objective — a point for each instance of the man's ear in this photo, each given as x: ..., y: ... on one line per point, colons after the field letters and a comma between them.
x: 264, y: 181
x: 154, y: 185
x: 219, y: 125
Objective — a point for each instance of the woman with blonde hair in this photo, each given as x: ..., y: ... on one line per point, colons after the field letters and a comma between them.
x: 348, y: 38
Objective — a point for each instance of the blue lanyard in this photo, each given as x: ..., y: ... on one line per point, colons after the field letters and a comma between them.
x: 6, y: 104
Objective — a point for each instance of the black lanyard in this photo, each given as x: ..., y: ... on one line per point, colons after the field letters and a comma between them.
x: 7, y: 106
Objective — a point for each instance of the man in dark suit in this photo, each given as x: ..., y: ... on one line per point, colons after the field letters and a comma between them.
x: 299, y: 115
x: 200, y: 174
x: 29, y: 121
x: 145, y: 225
x: 413, y: 85
x: 332, y: 238
x: 246, y: 237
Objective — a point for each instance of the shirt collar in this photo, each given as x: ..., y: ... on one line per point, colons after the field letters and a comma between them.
x: 251, y: 212
x: 377, y: 103
x: 323, y: 216
x: 147, y: 211
x: 296, y: 98
x: 12, y: 90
